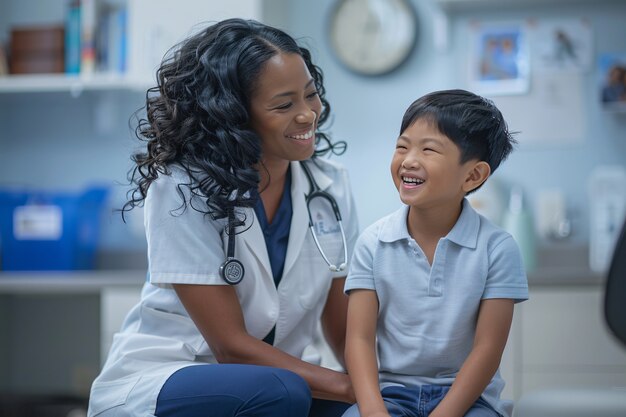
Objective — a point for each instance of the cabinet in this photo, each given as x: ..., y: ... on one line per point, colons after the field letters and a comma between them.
x: 559, y: 339
x: 152, y: 27
x: 566, y: 343
x: 56, y: 328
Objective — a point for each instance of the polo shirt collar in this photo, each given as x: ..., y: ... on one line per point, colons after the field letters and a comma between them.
x: 464, y: 232
x: 394, y: 227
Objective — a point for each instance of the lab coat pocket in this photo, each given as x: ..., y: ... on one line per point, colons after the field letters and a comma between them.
x: 173, y: 326
x: 108, y: 396
x: 316, y: 292
x: 315, y: 276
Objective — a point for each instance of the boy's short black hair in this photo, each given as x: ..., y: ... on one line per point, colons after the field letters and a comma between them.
x: 472, y: 122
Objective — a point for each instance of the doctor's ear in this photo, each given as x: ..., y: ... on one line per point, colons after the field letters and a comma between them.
x: 477, y: 174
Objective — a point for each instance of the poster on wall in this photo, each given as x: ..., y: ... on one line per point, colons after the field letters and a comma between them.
x: 564, y: 44
x: 551, y: 115
x: 499, y: 59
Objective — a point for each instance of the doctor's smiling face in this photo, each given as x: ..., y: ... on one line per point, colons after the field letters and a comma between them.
x: 284, y: 109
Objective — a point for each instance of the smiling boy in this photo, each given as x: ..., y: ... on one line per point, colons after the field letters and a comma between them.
x: 432, y: 286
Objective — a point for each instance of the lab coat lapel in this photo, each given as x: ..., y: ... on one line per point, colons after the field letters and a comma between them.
x: 300, y: 217
x: 255, y: 241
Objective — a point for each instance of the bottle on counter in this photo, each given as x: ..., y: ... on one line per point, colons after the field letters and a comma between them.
x: 518, y: 221
x: 607, y: 207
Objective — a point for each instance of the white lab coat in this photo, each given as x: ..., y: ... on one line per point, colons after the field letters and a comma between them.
x: 158, y: 337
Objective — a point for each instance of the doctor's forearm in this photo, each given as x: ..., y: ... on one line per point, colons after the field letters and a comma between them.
x: 216, y: 312
x: 324, y: 383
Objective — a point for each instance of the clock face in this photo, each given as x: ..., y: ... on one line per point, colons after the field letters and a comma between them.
x: 373, y: 36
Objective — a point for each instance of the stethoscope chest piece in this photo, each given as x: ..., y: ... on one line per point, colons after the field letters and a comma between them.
x: 232, y: 271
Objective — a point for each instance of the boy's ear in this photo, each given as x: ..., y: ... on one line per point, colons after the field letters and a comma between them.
x: 478, y: 173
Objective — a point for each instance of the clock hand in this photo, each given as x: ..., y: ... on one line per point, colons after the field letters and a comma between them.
x: 371, y: 23
x: 371, y: 29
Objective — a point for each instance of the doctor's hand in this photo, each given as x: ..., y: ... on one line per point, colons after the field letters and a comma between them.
x: 341, y: 390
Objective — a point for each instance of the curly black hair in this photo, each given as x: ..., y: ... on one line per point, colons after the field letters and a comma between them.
x: 198, y: 115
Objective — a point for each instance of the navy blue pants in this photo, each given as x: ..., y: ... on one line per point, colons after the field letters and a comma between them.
x: 228, y: 390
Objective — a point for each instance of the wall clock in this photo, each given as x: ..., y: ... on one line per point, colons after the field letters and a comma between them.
x: 372, y: 37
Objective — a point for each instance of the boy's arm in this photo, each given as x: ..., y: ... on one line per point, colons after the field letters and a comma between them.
x: 361, y: 352
x: 492, y: 330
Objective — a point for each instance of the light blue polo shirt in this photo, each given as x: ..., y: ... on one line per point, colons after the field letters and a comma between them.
x: 427, y: 316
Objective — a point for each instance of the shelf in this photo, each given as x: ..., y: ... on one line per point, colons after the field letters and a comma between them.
x: 481, y: 5
x: 74, y: 84
x: 149, y: 29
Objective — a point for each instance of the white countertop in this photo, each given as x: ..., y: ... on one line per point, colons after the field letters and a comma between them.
x: 68, y: 281
x: 558, y: 266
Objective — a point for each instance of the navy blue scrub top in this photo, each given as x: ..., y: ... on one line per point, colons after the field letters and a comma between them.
x: 276, y: 235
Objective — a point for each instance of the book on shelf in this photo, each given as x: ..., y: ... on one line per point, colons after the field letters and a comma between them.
x: 87, y: 40
x: 4, y: 63
x: 95, y: 37
x: 72, y: 38
x: 111, y: 40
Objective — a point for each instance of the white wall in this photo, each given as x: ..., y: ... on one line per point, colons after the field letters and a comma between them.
x: 52, y: 140
x: 368, y: 111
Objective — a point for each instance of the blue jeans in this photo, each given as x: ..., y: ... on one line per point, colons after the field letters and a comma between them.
x: 421, y: 401
x: 231, y: 390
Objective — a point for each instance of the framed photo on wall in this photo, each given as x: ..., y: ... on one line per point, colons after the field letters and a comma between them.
x: 612, y: 73
x: 499, y: 59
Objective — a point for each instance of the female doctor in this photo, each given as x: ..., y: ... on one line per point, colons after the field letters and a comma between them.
x: 237, y: 283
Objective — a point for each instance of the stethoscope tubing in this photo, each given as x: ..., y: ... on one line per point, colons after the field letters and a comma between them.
x: 316, y: 191
x: 232, y: 270
x: 331, y: 266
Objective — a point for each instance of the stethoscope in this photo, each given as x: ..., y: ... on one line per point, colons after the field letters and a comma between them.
x: 232, y: 270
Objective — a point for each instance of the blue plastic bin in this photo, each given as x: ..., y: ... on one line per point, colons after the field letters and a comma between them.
x: 45, y: 230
